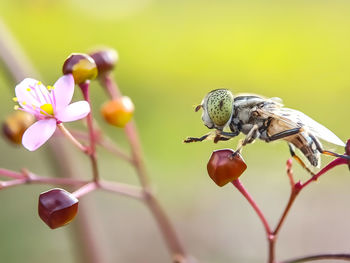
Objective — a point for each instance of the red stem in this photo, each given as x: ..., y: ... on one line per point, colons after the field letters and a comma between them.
x: 345, y: 257
x: 328, y: 167
x: 251, y: 201
x: 295, y: 190
x: 86, y: 93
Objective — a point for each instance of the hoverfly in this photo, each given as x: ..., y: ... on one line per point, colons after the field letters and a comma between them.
x: 265, y: 119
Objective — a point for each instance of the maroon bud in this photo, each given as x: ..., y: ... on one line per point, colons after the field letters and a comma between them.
x: 57, y: 207
x: 225, y: 165
x: 347, y: 151
x: 105, y: 60
x: 82, y: 66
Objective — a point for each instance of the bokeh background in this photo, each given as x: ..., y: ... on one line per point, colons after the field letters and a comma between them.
x: 171, y: 54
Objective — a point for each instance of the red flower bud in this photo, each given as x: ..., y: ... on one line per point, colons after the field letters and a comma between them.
x: 225, y: 165
x: 105, y: 60
x: 57, y: 207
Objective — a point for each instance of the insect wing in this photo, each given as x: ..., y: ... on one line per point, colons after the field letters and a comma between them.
x: 296, y: 119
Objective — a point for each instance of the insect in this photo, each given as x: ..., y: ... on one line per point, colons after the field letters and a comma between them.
x: 265, y: 119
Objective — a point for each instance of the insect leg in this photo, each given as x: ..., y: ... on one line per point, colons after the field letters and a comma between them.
x: 251, y: 135
x: 321, y: 150
x: 194, y: 139
x: 249, y: 138
x: 224, y: 136
x: 283, y: 134
x: 297, y: 158
x: 229, y: 134
x: 218, y: 138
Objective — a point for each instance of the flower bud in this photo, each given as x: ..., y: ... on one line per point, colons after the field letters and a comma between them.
x: 105, y: 60
x: 82, y: 66
x: 225, y: 165
x: 15, y: 125
x: 118, y: 112
x: 57, y: 207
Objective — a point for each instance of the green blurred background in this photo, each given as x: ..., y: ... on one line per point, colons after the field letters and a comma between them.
x: 171, y: 54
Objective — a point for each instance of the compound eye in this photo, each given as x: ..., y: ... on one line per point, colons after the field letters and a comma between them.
x: 220, y: 106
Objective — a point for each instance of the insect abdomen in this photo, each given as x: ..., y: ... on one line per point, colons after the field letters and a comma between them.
x: 307, y: 146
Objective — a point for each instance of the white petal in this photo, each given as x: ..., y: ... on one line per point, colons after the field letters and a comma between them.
x: 38, y: 133
x: 74, y: 111
x: 63, y: 91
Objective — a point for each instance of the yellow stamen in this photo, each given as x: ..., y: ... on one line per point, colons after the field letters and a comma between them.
x: 46, y: 109
x: 50, y: 87
x: 28, y: 89
x: 39, y: 83
x: 24, y: 103
x: 16, y: 107
x: 15, y: 99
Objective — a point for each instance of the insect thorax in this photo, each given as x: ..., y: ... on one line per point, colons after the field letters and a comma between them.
x: 245, y: 116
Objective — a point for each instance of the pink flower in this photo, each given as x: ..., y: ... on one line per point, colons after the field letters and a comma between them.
x: 50, y: 106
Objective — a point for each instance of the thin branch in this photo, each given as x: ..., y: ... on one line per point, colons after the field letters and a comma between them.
x: 85, y: 88
x: 11, y: 174
x: 345, y: 257
x: 169, y: 234
x: 331, y: 165
x: 254, y: 205
x: 85, y: 189
x: 103, y: 141
x: 107, y: 144
x: 71, y: 138
x: 291, y: 200
x: 27, y: 177
x: 122, y: 189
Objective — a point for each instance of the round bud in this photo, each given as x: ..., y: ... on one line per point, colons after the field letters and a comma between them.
x: 219, y: 105
x: 57, y: 207
x: 105, y: 60
x: 82, y: 66
x: 225, y: 166
x: 118, y: 112
x: 15, y: 125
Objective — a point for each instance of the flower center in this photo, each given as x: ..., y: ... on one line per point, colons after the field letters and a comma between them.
x: 47, y: 109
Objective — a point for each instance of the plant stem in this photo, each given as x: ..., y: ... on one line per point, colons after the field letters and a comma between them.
x: 295, y: 190
x: 172, y: 241
x: 86, y: 93
x: 133, y: 138
x: 122, y: 189
x: 71, y: 138
x: 85, y: 189
x: 345, y: 257
x: 237, y: 183
x: 11, y: 174
x: 291, y: 200
x: 105, y: 142
x: 111, y: 86
x: 331, y: 165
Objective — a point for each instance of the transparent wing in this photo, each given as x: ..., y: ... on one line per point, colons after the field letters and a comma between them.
x: 294, y: 119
